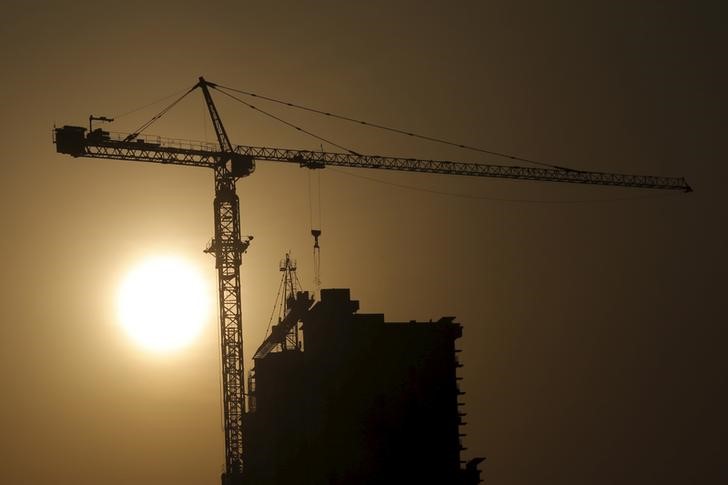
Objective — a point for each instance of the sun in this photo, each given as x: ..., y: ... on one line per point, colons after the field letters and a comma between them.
x: 163, y: 303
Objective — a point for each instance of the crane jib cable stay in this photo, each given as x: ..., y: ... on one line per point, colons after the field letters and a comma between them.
x: 229, y: 163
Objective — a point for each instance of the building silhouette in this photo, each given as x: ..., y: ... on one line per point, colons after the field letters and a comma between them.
x: 356, y: 400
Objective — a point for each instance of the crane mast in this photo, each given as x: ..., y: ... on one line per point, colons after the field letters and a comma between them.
x: 230, y: 163
x: 227, y: 247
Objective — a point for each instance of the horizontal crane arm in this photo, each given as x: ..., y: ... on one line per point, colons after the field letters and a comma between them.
x: 320, y: 159
x: 72, y: 140
x: 99, y: 144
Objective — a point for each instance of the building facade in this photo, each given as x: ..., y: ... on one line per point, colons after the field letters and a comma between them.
x: 361, y: 401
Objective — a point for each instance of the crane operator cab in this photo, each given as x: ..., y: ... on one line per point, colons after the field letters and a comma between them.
x: 241, y: 165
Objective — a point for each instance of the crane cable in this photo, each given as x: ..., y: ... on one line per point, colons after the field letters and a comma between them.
x: 287, y: 123
x: 149, y: 123
x: 315, y: 231
x: 408, y: 187
x: 396, y: 130
x: 275, y: 306
x: 176, y: 93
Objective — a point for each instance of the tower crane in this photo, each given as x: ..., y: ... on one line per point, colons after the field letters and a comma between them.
x: 230, y: 163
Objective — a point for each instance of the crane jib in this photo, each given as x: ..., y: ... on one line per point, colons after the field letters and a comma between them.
x: 74, y: 141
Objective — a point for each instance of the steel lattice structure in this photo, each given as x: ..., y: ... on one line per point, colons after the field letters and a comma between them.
x: 228, y: 248
x: 200, y: 154
x: 230, y: 163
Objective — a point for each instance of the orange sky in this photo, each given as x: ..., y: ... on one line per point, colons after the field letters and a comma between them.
x: 591, y: 342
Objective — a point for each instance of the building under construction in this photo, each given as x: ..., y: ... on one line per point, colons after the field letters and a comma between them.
x: 357, y: 400
x: 339, y: 397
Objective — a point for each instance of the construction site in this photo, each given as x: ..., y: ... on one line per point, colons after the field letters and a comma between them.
x: 341, y: 397
x: 334, y: 396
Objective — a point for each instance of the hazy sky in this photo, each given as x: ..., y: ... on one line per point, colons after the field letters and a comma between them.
x: 593, y: 342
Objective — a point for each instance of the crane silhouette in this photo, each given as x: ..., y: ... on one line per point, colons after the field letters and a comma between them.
x: 230, y: 163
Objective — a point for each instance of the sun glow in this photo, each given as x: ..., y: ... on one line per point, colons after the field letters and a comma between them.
x: 163, y: 303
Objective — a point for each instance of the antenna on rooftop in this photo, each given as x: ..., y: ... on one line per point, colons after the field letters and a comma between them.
x: 290, y: 285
